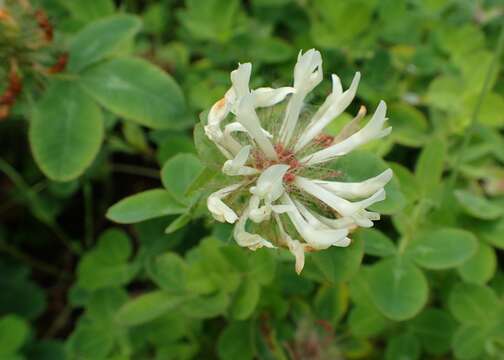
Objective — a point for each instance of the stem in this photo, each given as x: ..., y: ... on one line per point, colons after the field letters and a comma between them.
x: 474, y: 118
x: 34, y: 263
x: 418, y: 211
x: 60, y: 321
x: 32, y: 198
x: 88, y: 211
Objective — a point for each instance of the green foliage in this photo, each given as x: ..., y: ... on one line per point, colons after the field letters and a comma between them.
x: 101, y: 39
x: 137, y: 91
x: 107, y: 250
x: 145, y: 205
x: 398, y: 288
x: 67, y: 147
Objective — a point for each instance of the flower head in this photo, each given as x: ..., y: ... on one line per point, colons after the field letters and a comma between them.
x: 283, y: 191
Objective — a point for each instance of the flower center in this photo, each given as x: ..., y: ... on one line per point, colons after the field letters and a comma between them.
x: 285, y: 156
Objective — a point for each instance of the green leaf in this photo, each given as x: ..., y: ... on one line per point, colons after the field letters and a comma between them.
x: 210, y: 20
x: 147, y: 307
x: 178, y: 223
x: 335, y: 23
x: 20, y: 295
x: 361, y: 165
x: 443, y: 93
x: 246, y: 299
x: 366, y: 321
x: 404, y: 347
x: 66, y: 131
x: 204, y: 307
x: 207, y: 151
x: 102, y: 306
x: 138, y: 91
x: 473, y: 304
x: 85, y: 10
x: 262, y: 266
x: 143, y: 206
x: 339, y: 264
x: 443, y: 248
x: 236, y: 341
x: 407, y: 181
x: 179, y: 173
x: 460, y: 39
x: 331, y: 302
x: 478, y: 206
x: 91, y: 340
x: 215, y: 265
x: 100, y: 39
x: 169, y: 272
x: 13, y: 333
x: 430, y: 165
x: 469, y: 342
x: 204, y: 177
x: 434, y: 328
x: 480, y: 268
x: 492, y: 232
x: 359, y: 287
x: 107, y: 264
x: 47, y: 350
x: 270, y: 49
x: 376, y: 243
x: 409, y: 124
x: 398, y: 288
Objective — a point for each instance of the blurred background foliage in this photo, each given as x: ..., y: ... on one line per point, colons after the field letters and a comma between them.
x: 99, y: 96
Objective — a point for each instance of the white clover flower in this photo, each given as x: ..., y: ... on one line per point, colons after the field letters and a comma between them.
x: 286, y: 192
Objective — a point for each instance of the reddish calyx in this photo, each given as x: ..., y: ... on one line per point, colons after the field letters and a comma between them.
x: 324, y: 140
x: 286, y: 156
x: 44, y: 24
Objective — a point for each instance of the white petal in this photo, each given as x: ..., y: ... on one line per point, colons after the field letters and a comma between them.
x: 240, y: 79
x: 260, y: 214
x: 226, y: 144
x: 334, y: 105
x: 309, y: 217
x: 308, y: 71
x: 267, y: 96
x: 342, y: 206
x: 298, y: 250
x: 220, y: 211
x: 295, y: 247
x: 372, y: 130
x: 270, y: 183
x: 247, y: 116
x: 307, y: 74
x: 352, y: 190
x: 364, y: 218
x: 236, y: 166
x: 237, y: 127
x: 339, y: 223
x: 282, y: 209
x: 317, y: 238
x: 246, y: 239
x: 218, y: 112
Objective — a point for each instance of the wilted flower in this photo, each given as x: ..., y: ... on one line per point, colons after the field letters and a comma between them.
x: 281, y: 160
